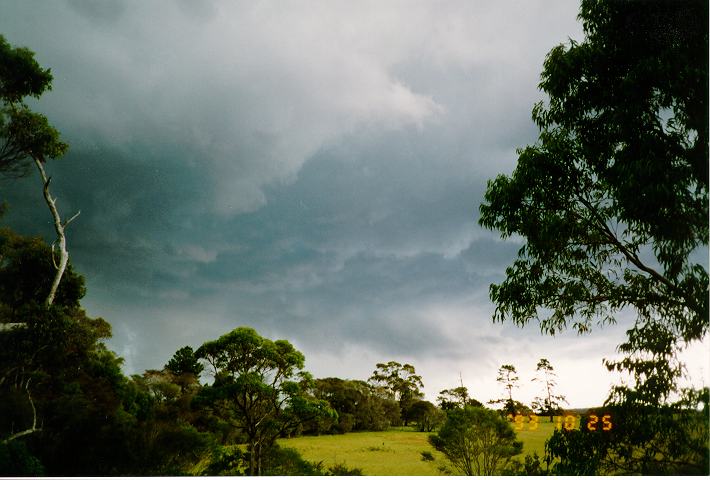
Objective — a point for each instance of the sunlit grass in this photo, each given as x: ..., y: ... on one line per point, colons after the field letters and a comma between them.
x: 395, y: 452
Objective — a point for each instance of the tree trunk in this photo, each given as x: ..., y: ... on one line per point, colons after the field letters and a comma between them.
x: 59, y: 228
x: 258, y: 459
x: 252, y: 459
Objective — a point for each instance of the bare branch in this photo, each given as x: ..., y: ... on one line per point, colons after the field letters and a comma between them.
x: 59, y: 228
x: 33, y: 428
x: 72, y: 218
x: 54, y: 259
x: 4, y: 327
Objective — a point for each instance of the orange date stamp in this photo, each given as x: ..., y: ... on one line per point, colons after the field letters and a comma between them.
x: 568, y: 422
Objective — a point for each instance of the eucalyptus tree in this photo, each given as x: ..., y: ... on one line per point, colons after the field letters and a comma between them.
x: 551, y: 402
x: 400, y: 382
x: 508, y: 379
x: 612, y: 201
x: 457, y: 397
x: 260, y: 387
x: 27, y: 137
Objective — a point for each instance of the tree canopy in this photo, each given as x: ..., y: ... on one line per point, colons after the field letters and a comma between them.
x: 612, y: 200
x: 550, y: 403
x: 400, y: 382
x: 476, y: 441
x: 23, y: 134
x: 508, y: 379
x: 260, y: 387
x: 27, y: 137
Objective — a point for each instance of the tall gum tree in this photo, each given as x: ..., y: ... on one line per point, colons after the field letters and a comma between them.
x: 612, y: 200
x: 27, y: 138
x: 260, y: 387
x: 400, y: 382
x: 551, y: 402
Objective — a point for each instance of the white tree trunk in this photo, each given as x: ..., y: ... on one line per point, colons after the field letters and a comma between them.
x: 59, y: 228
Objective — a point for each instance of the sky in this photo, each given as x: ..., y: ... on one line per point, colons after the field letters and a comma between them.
x: 312, y: 169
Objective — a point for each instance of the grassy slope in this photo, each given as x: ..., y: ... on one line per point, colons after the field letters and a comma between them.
x: 394, y: 452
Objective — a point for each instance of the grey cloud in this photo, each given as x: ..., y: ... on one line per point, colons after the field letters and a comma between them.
x: 313, y: 170
x: 102, y: 12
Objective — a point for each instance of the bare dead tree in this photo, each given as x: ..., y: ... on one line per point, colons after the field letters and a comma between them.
x: 59, y: 228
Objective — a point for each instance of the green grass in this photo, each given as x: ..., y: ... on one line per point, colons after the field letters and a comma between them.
x: 394, y: 452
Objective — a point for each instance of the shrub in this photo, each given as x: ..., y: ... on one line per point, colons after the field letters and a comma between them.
x: 476, y: 441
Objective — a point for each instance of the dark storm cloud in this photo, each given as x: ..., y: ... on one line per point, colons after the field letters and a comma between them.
x: 313, y: 170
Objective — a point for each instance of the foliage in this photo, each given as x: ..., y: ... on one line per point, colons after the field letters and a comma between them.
x: 427, y: 456
x: 26, y: 275
x: 23, y: 133
x: 16, y: 460
x: 342, y: 470
x: 259, y: 388
x: 184, y: 369
x: 533, y: 466
x: 184, y: 362
x: 550, y: 403
x: 357, y: 407
x: 476, y: 441
x: 231, y: 460
x: 508, y: 378
x: 457, y: 397
x: 678, y: 444
x: 618, y: 177
x: 399, y: 382
x: 288, y: 462
x: 63, y: 390
x: 426, y: 415
x: 226, y: 460
x: 612, y: 201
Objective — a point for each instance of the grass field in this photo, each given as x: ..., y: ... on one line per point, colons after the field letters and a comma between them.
x: 394, y: 452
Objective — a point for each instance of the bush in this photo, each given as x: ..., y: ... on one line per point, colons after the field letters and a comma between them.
x: 341, y: 470
x: 16, y: 460
x: 227, y: 460
x: 477, y: 441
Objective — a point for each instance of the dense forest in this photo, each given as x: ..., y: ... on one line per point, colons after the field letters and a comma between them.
x: 618, y: 176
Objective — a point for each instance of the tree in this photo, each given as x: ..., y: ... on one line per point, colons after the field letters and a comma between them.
x: 25, y: 273
x: 185, y: 368
x: 508, y: 378
x: 357, y: 407
x: 65, y: 407
x: 456, y: 398
x: 184, y: 362
x: 260, y: 387
x: 476, y: 441
x: 613, y: 198
x: 400, y: 382
x: 452, y: 398
x: 27, y: 137
x: 549, y: 404
x: 674, y: 440
x: 427, y: 416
